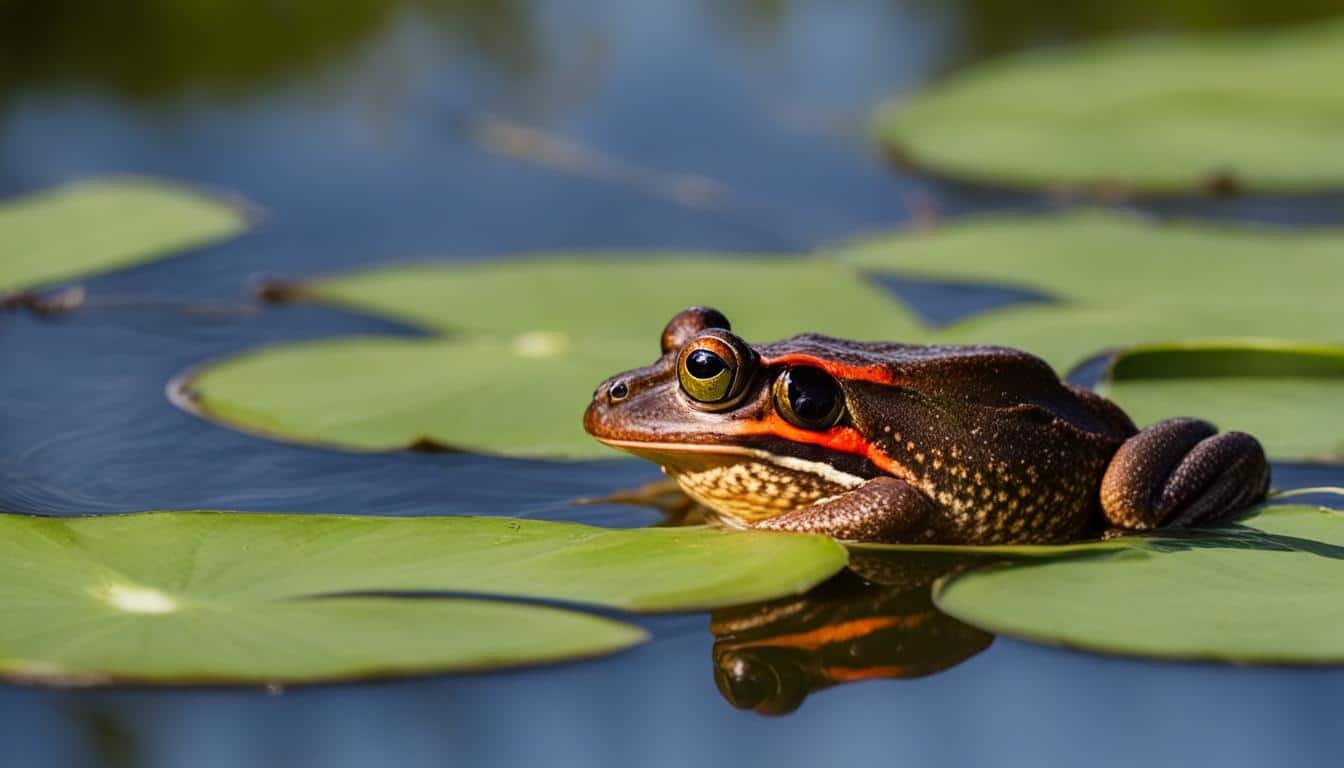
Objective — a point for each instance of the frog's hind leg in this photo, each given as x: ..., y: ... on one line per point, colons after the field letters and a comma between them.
x: 884, y: 509
x: 1182, y: 472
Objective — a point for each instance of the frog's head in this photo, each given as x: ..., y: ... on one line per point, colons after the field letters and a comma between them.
x: 749, y: 431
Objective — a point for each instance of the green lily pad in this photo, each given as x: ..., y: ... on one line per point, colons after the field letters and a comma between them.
x: 530, y: 339
x: 1286, y: 394
x: 1246, y: 110
x: 95, y: 226
x: 523, y: 396
x: 1270, y: 590
x: 1122, y: 280
x: 627, y: 299
x: 230, y: 597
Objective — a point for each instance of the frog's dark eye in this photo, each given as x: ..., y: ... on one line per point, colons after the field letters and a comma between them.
x: 705, y: 365
x: 808, y: 397
x: 714, y: 369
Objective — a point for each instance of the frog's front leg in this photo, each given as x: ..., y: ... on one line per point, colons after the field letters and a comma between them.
x: 1181, y: 472
x: 884, y: 509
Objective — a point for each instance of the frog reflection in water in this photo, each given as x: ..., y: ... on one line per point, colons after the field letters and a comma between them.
x: 908, y: 443
x: 874, y: 621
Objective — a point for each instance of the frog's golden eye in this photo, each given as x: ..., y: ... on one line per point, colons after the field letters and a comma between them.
x: 714, y: 369
x: 808, y: 397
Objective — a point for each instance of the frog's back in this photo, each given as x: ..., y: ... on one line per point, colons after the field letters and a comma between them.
x: 976, y: 375
x: 989, y: 433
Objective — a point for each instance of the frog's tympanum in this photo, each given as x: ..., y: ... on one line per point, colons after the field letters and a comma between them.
x: 908, y: 443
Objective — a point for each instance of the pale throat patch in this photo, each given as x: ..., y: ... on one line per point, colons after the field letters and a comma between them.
x: 756, y: 485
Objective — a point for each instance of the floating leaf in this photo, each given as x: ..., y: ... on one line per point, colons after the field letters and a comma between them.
x: 629, y: 299
x: 1158, y: 115
x: 101, y: 225
x: 1122, y: 280
x: 514, y: 396
x: 530, y: 340
x: 1287, y: 394
x: 1268, y: 590
x: 226, y: 597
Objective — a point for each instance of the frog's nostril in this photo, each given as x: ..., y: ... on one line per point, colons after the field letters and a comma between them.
x: 618, y: 392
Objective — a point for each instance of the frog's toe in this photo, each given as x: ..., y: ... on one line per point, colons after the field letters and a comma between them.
x: 1182, y: 472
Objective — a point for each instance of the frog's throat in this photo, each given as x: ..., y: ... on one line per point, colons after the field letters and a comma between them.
x: 744, y: 485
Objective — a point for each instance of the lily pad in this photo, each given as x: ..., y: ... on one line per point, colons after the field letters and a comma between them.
x: 230, y: 597
x: 1286, y: 394
x: 1222, y: 113
x: 1121, y: 280
x: 95, y: 226
x: 524, y: 395
x: 529, y: 340
x: 1269, y: 590
x: 626, y: 298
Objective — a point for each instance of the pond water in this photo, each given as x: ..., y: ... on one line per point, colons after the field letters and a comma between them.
x: 357, y: 130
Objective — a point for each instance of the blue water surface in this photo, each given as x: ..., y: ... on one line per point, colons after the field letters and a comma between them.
x: 370, y: 154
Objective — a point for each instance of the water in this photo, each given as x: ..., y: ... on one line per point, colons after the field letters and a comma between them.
x: 356, y: 128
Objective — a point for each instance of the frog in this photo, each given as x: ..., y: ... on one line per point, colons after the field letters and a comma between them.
x: 902, y: 443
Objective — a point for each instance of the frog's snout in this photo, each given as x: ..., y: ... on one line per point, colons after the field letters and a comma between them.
x: 599, y: 417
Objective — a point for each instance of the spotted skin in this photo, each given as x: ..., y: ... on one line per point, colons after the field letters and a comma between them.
x: 951, y: 444
x: 882, y: 509
x: 746, y: 492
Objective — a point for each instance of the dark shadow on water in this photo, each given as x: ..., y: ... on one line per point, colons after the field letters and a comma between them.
x: 940, y: 303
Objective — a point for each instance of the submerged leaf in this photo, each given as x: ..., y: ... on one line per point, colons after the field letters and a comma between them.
x: 226, y: 597
x: 95, y: 226
x: 1162, y: 115
x: 1270, y: 589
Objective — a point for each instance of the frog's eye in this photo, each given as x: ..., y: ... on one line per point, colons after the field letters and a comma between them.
x: 808, y: 397
x: 714, y: 369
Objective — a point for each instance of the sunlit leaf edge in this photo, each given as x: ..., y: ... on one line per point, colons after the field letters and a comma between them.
x: 242, y: 215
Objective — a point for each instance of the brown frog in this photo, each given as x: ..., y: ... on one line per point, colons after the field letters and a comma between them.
x: 909, y: 443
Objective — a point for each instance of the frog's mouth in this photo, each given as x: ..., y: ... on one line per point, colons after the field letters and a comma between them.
x: 677, y: 457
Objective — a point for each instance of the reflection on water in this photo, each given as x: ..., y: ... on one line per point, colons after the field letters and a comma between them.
x: 159, y: 50
x: 154, y: 50
x: 874, y: 621
x: 991, y: 27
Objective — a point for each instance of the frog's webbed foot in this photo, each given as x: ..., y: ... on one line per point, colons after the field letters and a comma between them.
x: 1182, y: 472
x: 883, y: 509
